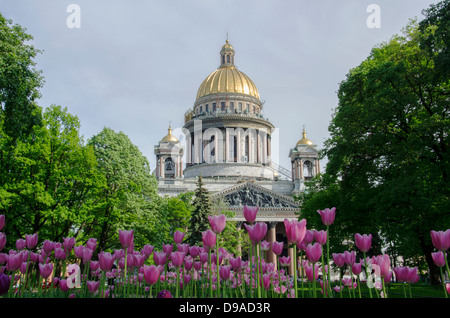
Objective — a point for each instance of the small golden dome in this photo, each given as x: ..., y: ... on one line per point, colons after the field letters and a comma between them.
x: 227, y: 47
x: 227, y: 78
x: 304, y: 140
x: 169, y: 137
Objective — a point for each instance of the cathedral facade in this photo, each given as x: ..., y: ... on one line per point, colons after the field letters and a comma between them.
x: 226, y: 140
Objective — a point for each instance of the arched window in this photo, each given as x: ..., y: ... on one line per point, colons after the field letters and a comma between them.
x: 307, y: 169
x: 169, y: 168
x: 228, y: 58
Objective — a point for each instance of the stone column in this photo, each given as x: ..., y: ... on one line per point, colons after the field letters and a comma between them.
x: 238, y: 146
x: 227, y: 145
x: 301, y: 169
x: 291, y: 265
x: 271, y: 237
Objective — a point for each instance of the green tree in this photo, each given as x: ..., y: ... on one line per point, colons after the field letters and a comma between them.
x: 128, y: 199
x: 50, y: 181
x: 199, y: 222
x: 388, y: 167
x: 173, y: 215
x: 20, y: 81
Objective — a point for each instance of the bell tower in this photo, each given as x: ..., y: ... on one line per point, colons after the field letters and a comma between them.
x: 169, y: 157
x: 305, y: 162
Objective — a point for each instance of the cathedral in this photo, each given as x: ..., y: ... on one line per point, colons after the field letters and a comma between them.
x: 227, y: 141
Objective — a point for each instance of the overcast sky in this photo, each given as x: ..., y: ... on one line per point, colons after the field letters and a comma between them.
x: 135, y: 66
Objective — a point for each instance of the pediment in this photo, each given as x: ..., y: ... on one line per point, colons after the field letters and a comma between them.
x: 249, y: 194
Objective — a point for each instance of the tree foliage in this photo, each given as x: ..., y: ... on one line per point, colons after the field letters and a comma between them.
x: 126, y: 202
x: 47, y: 180
x: 199, y: 222
x: 20, y: 81
x: 388, y: 168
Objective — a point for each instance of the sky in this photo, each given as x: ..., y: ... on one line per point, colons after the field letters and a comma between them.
x: 135, y: 66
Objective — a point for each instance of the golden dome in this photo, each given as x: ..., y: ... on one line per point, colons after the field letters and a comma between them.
x: 304, y: 140
x: 169, y: 137
x: 227, y: 78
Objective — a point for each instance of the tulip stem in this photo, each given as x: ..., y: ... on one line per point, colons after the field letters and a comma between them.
x: 295, y: 271
x: 210, y: 274
x: 443, y: 283
x: 367, y: 275
x: 251, y: 270
x: 217, y: 264
x: 328, y: 262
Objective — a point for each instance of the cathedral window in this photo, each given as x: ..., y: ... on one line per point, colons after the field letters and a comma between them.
x: 228, y: 58
x: 222, y: 106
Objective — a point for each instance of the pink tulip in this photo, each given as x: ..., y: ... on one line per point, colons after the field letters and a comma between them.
x: 48, y: 247
x: 400, y: 273
x: 439, y: 258
x: 314, y: 252
x: 2, y: 221
x: 2, y: 240
x: 277, y: 247
x: 266, y: 281
x: 63, y: 285
x: 204, y: 256
x: 45, y: 270
x: 295, y: 230
x: 160, y: 258
x: 356, y: 268
x: 91, y: 244
x: 309, y: 271
x: 147, y: 250
x: 347, y: 282
x: 151, y: 274
x: 167, y: 248
x: 250, y: 213
x: 265, y: 246
x: 441, y: 239
x: 447, y: 287
x: 411, y: 275
x: 188, y: 263
x: 257, y: 231
x: 94, y: 265
x: 177, y: 258
x: 93, y: 286
x: 350, y: 257
x: 383, y: 261
x: 13, y: 262
x: 327, y: 215
x: 236, y: 263
x: 363, y: 242
x: 78, y: 251
x: 338, y: 259
x: 194, y: 251
x: 126, y: 238
x: 217, y: 223
x: 285, y: 261
x: 87, y: 254
x: 31, y: 241
x: 209, y: 239
x: 320, y: 237
x: 224, y: 272
x: 20, y: 244
x: 178, y: 237
x: 60, y: 254
x: 106, y: 261
x: 68, y: 244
